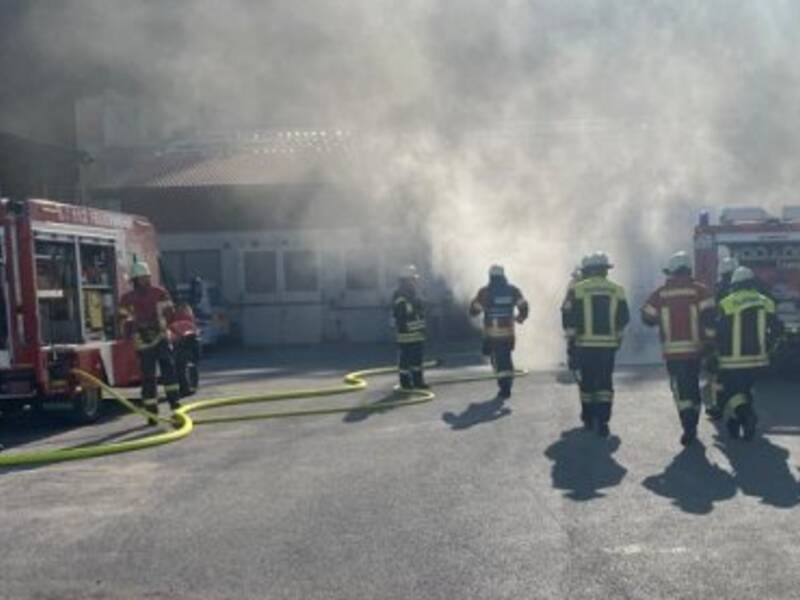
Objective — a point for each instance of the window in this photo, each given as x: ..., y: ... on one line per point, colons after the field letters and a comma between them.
x: 260, y: 272
x: 57, y: 291
x: 300, y: 271
x: 185, y: 265
x: 98, y: 278
x: 361, y: 271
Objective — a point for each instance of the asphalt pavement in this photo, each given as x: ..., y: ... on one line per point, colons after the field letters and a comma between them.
x: 464, y: 497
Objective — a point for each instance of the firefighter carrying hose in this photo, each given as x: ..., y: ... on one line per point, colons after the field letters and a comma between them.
x: 683, y: 309
x: 145, y: 312
x: 409, y: 321
x: 594, y: 316
x: 498, y: 302
x: 746, y: 327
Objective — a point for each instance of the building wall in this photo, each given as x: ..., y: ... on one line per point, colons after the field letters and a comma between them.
x: 304, y: 286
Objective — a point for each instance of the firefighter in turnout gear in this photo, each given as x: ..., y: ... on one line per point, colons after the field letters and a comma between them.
x: 594, y: 317
x: 746, y: 327
x: 409, y: 323
x: 145, y: 312
x: 498, y: 301
x: 723, y: 287
x: 683, y: 309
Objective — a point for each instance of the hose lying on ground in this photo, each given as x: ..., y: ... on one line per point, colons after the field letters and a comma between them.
x: 181, y: 424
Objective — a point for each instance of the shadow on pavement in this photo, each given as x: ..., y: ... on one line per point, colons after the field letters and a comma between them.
x: 692, y: 482
x: 357, y: 415
x: 761, y: 469
x: 32, y: 426
x: 583, y: 464
x: 477, y: 413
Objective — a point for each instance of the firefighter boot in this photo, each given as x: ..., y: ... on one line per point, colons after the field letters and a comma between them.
x: 151, y: 406
x: 748, y: 419
x: 418, y: 379
x: 173, y: 396
x: 405, y: 381
x: 504, y: 386
x: 733, y: 425
x: 603, y: 417
x: 689, y: 419
x: 587, y: 415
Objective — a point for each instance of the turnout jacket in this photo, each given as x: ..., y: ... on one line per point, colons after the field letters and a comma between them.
x: 146, y: 314
x: 683, y: 310
x: 497, y: 301
x: 746, y: 327
x: 595, y: 313
x: 408, y: 312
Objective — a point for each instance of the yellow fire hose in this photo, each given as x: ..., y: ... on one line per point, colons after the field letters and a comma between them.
x: 182, y: 425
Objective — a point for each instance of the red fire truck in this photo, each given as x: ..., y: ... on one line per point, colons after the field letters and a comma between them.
x: 63, y: 270
x: 770, y: 246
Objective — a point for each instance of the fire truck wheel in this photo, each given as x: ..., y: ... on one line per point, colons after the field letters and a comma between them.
x: 86, y: 407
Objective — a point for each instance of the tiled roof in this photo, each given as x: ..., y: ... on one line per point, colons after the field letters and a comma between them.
x: 253, y: 159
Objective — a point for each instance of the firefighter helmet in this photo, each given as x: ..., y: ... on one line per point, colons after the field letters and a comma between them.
x: 408, y: 272
x: 139, y: 269
x: 679, y: 260
x: 742, y: 274
x: 728, y: 265
x: 596, y: 260
x: 497, y: 271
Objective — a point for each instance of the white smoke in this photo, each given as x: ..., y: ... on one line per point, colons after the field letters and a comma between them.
x: 523, y: 132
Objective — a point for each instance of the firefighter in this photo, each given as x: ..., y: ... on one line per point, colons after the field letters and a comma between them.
x: 722, y: 289
x: 594, y: 317
x: 145, y: 312
x: 572, y: 355
x: 726, y: 269
x: 683, y: 309
x: 498, y: 301
x: 409, y: 322
x: 746, y: 326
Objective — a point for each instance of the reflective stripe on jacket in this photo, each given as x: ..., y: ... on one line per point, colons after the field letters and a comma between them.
x: 595, y: 313
x: 147, y: 312
x: 497, y: 302
x: 746, y: 324
x: 409, y: 317
x: 683, y: 309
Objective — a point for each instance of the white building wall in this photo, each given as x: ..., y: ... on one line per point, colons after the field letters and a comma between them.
x: 331, y: 312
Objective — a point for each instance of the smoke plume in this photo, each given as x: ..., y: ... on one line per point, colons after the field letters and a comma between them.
x: 521, y: 132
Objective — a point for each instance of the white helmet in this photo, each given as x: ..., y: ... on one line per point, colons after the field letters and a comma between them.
x: 742, y: 274
x: 679, y: 260
x: 497, y: 271
x: 596, y: 259
x: 728, y: 265
x: 139, y: 269
x: 408, y: 272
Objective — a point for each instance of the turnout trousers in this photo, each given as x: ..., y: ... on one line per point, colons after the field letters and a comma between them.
x: 684, y: 380
x: 596, y: 368
x: 499, y: 350
x: 735, y: 398
x: 159, y: 354
x: 410, y: 356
